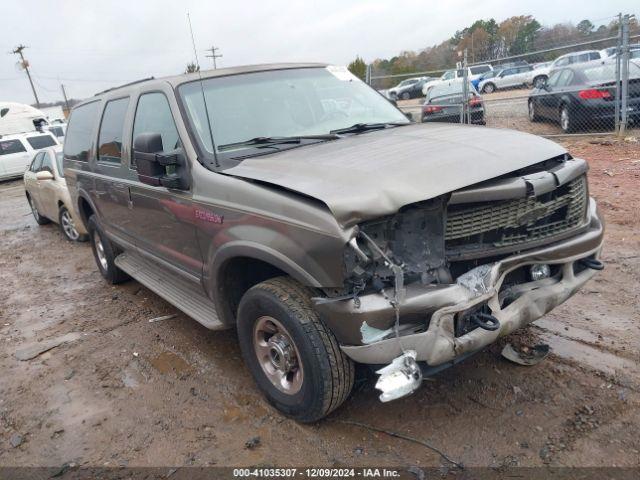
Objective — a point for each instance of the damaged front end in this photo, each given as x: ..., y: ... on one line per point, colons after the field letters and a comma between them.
x: 443, y: 278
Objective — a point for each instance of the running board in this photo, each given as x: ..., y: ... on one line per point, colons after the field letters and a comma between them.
x: 178, y: 291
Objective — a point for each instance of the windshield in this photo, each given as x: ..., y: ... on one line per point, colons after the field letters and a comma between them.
x: 282, y: 103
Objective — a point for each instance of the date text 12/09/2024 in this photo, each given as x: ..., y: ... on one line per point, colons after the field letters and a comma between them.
x: 316, y: 473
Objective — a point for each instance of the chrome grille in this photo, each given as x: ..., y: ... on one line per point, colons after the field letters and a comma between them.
x: 515, y: 222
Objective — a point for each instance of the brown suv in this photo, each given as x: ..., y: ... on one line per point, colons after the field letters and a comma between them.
x: 298, y: 205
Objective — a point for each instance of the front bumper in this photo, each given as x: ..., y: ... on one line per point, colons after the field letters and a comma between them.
x: 438, y: 304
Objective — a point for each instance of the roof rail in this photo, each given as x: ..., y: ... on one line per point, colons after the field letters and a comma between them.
x: 125, y: 85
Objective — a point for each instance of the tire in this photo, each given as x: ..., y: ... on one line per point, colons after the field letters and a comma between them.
x: 319, y: 376
x: 533, y: 116
x: 67, y: 226
x: 567, y: 122
x: 489, y: 88
x: 40, y: 220
x: 538, y: 81
x: 105, y: 253
x: 405, y: 96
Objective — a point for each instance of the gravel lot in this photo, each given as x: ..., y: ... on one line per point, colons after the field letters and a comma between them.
x: 123, y: 391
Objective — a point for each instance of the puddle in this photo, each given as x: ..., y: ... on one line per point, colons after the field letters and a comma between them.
x: 169, y: 362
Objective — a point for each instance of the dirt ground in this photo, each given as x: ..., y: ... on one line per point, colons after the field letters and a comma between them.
x: 126, y: 392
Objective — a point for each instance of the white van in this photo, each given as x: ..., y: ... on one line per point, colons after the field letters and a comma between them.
x: 16, y: 151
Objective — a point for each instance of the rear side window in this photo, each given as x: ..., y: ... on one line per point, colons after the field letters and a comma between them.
x: 77, y: 142
x: 11, y: 146
x: 41, y: 141
x: 111, y: 131
x: 153, y: 115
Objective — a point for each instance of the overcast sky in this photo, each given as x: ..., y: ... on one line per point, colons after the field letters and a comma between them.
x: 90, y: 46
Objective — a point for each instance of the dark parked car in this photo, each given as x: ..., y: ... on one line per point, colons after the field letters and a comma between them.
x: 444, y: 104
x: 409, y: 88
x: 582, y: 96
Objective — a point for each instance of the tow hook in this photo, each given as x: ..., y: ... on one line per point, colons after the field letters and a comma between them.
x: 592, y: 263
x: 400, y: 378
x: 485, y: 321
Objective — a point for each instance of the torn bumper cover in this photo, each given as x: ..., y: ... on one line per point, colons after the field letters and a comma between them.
x: 428, y: 313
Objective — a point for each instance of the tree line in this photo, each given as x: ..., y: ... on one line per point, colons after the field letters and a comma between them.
x: 487, y: 40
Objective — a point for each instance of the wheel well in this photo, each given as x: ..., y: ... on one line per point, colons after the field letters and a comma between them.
x: 84, y: 209
x: 237, y: 276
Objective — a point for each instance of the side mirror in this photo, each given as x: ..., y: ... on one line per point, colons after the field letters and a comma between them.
x: 44, y: 175
x: 156, y: 167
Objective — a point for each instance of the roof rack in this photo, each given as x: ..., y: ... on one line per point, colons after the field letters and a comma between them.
x: 125, y: 85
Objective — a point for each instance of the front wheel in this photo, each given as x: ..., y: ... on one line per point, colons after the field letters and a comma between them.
x: 295, y: 360
x: 567, y: 122
x: 489, y: 88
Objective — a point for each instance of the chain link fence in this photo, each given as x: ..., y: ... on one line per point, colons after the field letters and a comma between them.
x: 587, y: 88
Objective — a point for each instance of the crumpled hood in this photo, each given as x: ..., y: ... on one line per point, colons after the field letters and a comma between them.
x: 374, y: 174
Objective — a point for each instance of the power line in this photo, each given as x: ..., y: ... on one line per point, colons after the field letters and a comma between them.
x: 25, y: 64
x: 213, y: 55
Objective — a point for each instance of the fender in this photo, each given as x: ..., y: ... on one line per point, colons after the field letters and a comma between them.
x: 84, y: 195
x: 247, y: 249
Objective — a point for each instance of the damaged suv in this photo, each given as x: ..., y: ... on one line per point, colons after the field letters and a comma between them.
x: 296, y: 204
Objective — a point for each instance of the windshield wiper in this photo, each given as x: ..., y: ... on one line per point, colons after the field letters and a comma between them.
x: 363, y: 127
x: 269, y: 141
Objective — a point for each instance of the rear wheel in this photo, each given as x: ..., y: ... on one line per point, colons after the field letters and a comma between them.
x: 405, y: 96
x: 295, y: 360
x: 68, y: 226
x: 533, y: 115
x: 105, y: 253
x: 567, y: 122
x: 539, y: 81
x: 40, y: 220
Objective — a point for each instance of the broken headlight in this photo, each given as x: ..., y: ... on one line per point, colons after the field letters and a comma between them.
x: 412, y: 240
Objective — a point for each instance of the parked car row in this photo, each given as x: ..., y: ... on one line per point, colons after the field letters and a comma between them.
x: 487, y: 78
x: 582, y: 95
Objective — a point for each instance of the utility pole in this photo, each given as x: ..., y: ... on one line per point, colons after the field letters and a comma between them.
x: 66, y: 101
x: 624, y: 74
x: 25, y: 64
x: 213, y: 55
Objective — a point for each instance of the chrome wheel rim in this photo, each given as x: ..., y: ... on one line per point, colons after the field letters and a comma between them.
x: 68, y: 226
x: 277, y: 355
x: 34, y: 210
x: 564, y: 119
x: 489, y: 88
x: 102, y: 257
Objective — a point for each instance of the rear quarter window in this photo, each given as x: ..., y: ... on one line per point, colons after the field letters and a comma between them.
x: 79, y: 136
x: 41, y: 141
x: 11, y: 146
